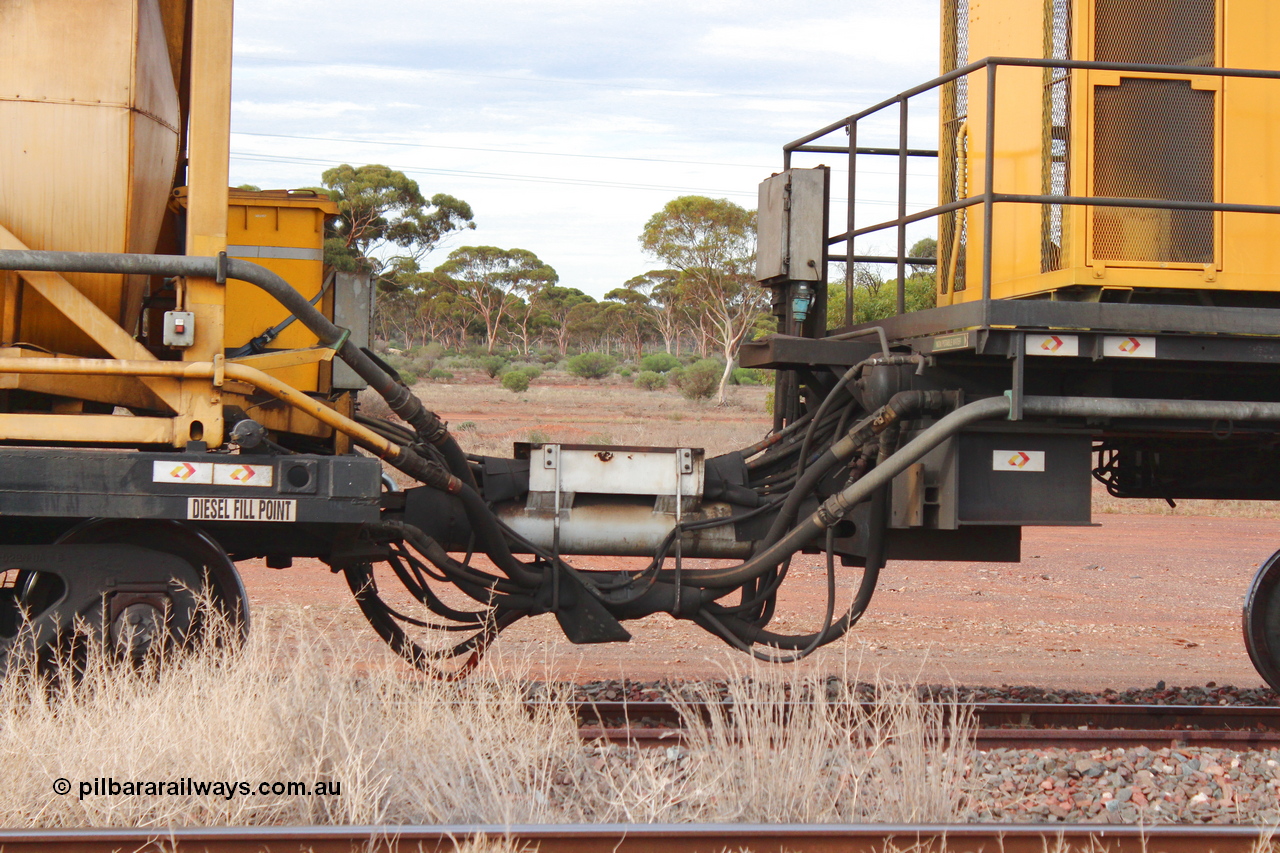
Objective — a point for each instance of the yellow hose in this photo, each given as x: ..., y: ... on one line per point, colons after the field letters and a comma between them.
x: 363, y: 436
x: 962, y: 190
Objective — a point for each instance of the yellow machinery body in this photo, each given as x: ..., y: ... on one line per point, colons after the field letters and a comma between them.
x: 1118, y: 134
x: 89, y: 118
x: 283, y: 231
x: 114, y: 127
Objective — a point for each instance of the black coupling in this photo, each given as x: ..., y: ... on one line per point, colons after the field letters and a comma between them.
x: 426, y: 471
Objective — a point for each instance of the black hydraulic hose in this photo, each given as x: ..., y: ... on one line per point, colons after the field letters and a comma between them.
x: 742, y: 635
x: 840, y: 504
x: 488, y: 586
x: 822, y: 410
x: 901, y: 405
x: 774, y: 438
x: 788, y: 447
x: 426, y: 424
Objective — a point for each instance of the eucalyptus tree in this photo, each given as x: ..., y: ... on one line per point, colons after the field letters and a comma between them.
x: 385, y: 225
x: 489, y: 280
x: 712, y: 242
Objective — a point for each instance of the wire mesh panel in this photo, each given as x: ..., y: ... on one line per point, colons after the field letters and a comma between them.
x: 953, y: 146
x: 1153, y: 139
x: 1162, y: 32
x: 1056, y: 132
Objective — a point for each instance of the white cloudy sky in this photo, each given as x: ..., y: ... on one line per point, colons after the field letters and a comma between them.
x: 567, y: 124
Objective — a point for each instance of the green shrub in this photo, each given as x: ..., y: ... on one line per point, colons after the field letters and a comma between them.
x: 701, y: 379
x: 746, y: 376
x: 492, y: 365
x: 768, y: 403
x: 467, y: 426
x: 591, y: 365
x: 532, y: 371
x: 659, y: 362
x: 625, y: 373
x: 438, y: 374
x: 515, y: 381
x: 650, y: 380
x: 675, y: 376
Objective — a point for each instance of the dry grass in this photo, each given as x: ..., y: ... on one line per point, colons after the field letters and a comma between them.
x: 411, y: 751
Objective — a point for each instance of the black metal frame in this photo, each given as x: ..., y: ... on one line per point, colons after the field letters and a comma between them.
x: 985, y: 313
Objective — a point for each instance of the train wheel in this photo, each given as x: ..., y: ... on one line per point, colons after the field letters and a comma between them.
x: 1262, y: 621
x: 139, y: 586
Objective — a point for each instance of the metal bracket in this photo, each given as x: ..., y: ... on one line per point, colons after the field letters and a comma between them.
x: 342, y: 339
x: 1019, y: 341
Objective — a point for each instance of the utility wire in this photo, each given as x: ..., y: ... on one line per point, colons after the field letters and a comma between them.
x: 544, y: 179
x: 524, y: 78
x: 546, y: 153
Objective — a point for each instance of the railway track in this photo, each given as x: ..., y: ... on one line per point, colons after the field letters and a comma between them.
x: 1007, y: 725
x: 655, y: 838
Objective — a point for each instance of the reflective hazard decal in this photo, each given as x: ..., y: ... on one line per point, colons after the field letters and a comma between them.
x: 242, y: 475
x: 1053, y: 345
x: 200, y: 473
x: 1129, y: 346
x: 241, y: 509
x: 1017, y: 460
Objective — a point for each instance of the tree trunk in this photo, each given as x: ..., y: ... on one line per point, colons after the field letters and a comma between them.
x: 722, y: 396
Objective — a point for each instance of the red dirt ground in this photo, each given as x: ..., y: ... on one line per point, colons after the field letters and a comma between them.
x: 1132, y: 601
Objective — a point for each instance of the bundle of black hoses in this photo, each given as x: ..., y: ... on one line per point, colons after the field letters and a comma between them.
x: 743, y: 625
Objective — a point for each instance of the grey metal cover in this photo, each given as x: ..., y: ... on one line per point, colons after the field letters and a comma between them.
x: 790, y: 224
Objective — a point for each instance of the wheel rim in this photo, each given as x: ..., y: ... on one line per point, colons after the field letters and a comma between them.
x: 222, y: 583
x: 1262, y: 621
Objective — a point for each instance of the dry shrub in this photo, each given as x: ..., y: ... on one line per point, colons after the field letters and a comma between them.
x: 410, y: 750
x: 403, y: 749
x: 825, y: 757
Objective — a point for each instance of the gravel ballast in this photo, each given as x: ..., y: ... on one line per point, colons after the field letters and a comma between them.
x: 1116, y: 786
x: 1130, y: 786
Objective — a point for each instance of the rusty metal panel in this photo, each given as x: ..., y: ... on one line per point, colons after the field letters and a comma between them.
x: 601, y: 470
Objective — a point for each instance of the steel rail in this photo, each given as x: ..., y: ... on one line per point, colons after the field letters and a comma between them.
x: 654, y: 838
x: 1027, y: 715
x: 999, y: 724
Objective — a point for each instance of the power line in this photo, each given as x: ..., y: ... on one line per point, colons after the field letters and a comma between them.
x: 536, y: 79
x: 499, y: 150
x: 542, y: 153
x: 544, y: 179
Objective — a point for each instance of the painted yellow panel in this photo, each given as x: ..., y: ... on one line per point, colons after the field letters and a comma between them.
x: 1129, y: 134
x: 283, y: 232
x: 1000, y: 28
x: 87, y: 147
